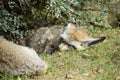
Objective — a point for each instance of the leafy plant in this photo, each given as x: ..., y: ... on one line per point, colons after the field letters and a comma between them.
x: 11, y: 24
x: 20, y: 17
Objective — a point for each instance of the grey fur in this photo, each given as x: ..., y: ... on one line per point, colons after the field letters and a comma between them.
x: 16, y: 59
x: 44, y: 38
x: 48, y: 38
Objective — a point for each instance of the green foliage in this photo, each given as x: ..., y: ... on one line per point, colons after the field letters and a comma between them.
x: 15, y: 17
x: 77, y: 11
x: 10, y: 24
x: 19, y: 17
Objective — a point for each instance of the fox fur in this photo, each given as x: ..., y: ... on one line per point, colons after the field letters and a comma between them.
x: 50, y: 39
x: 17, y: 60
x: 45, y: 39
x: 79, y: 38
x: 75, y: 33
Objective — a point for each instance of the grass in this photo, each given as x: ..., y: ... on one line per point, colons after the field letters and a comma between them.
x: 83, y: 65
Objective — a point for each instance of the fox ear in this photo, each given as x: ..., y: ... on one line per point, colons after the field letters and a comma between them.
x: 71, y: 25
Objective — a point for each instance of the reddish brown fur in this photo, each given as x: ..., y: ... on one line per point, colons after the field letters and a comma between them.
x: 78, y: 34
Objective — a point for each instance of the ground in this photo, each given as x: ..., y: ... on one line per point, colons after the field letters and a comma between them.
x: 101, y: 62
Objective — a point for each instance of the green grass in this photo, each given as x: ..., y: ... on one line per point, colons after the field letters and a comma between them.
x: 83, y: 65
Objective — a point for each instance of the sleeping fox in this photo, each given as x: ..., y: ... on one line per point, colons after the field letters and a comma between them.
x: 45, y: 39
x: 17, y: 60
x: 50, y: 39
x: 78, y: 38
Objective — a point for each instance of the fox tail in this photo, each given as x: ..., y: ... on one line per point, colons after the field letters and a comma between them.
x: 92, y: 41
x: 96, y: 40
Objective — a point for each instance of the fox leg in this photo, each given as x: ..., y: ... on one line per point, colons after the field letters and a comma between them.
x: 77, y: 45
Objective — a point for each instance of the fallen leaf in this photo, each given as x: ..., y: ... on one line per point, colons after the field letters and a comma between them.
x: 95, y: 53
x: 61, y: 64
x: 69, y: 76
x: 86, y: 74
x: 18, y: 78
x: 118, y: 78
x: 59, y: 53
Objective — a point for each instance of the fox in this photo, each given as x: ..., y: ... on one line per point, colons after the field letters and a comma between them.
x: 45, y: 39
x: 17, y: 60
x: 79, y: 38
x: 59, y: 38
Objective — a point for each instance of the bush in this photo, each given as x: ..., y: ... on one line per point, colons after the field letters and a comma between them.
x: 20, y: 17
x: 10, y: 24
